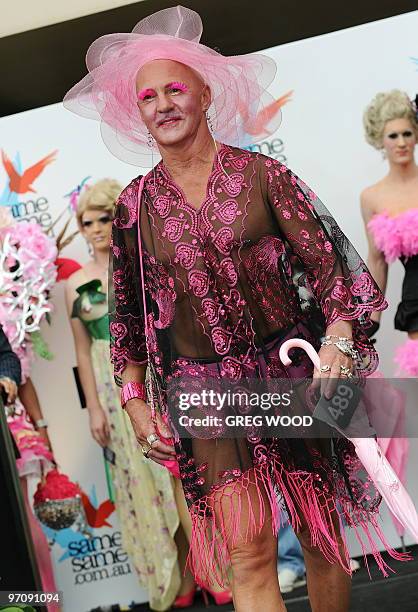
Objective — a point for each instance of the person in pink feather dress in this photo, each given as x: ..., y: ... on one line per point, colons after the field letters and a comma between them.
x: 390, y: 212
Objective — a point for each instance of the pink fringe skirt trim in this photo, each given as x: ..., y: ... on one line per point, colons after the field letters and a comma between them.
x: 236, y: 512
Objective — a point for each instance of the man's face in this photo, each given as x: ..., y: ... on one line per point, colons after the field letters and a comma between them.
x: 172, y: 100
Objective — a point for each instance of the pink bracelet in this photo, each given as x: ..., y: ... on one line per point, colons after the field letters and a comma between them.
x: 132, y: 389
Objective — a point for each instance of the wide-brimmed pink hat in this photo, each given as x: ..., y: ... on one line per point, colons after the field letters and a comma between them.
x: 241, y: 112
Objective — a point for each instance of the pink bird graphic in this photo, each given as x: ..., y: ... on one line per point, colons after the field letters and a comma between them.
x: 259, y: 125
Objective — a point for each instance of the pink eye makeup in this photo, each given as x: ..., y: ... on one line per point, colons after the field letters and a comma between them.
x: 175, y: 87
x: 179, y: 86
x: 146, y: 94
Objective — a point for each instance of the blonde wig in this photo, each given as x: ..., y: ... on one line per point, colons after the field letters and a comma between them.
x: 385, y: 107
x: 99, y: 196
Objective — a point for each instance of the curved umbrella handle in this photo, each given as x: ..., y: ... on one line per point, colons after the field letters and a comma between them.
x: 298, y: 343
x: 377, y: 466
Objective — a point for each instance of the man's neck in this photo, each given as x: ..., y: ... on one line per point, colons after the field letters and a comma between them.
x: 190, y: 156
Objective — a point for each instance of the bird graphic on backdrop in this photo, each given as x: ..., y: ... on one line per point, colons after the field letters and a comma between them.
x: 22, y: 183
x: 96, y: 517
x: 258, y: 125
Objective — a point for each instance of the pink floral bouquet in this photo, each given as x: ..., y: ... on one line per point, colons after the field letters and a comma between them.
x: 57, y: 501
x: 27, y: 275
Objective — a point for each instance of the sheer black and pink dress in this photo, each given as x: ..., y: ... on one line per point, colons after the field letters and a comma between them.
x: 221, y: 288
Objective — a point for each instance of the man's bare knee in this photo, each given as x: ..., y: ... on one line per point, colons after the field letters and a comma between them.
x: 250, y: 560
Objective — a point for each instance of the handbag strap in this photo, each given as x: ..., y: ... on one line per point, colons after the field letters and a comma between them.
x: 144, y: 302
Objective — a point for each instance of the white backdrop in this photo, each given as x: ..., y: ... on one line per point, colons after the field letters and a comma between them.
x: 333, y: 77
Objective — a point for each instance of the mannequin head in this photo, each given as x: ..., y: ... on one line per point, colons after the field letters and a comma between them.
x: 95, y: 212
x: 390, y: 125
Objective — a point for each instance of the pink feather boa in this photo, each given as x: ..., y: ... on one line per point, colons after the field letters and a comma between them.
x: 406, y: 356
x: 395, y: 236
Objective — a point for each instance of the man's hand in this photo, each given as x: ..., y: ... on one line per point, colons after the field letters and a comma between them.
x: 10, y: 388
x: 140, y: 414
x: 332, y: 357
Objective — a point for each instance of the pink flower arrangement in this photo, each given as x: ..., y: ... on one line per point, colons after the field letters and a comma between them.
x: 35, y: 247
x: 27, y: 274
x: 56, y: 486
x: 58, y: 503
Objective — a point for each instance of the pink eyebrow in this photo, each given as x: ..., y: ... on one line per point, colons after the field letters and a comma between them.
x: 145, y: 92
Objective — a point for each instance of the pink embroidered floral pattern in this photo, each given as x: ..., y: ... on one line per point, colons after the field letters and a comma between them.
x: 343, y: 294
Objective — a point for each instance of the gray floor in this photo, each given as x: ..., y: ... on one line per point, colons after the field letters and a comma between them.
x: 398, y: 592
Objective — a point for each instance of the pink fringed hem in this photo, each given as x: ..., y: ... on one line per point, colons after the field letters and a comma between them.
x: 217, y: 525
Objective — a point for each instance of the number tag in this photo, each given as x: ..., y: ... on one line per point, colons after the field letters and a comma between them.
x: 338, y: 410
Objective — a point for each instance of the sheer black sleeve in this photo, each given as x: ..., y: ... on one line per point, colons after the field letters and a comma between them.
x: 334, y: 272
x: 127, y: 331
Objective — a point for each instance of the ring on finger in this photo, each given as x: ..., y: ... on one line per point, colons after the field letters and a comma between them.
x: 346, y: 371
x: 325, y: 368
x: 152, y: 438
x: 145, y: 450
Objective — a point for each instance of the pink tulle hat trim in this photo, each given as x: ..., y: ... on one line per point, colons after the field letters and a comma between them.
x: 238, y: 84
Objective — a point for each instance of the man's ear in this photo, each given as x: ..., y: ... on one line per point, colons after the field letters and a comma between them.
x: 206, y: 97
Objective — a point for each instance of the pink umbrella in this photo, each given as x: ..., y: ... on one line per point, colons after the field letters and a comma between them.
x: 371, y: 456
x: 395, y: 445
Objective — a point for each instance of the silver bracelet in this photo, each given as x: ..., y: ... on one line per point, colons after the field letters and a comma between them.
x: 338, y: 338
x: 41, y: 423
x: 344, y: 345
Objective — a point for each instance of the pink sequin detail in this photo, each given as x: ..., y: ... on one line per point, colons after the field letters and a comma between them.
x: 162, y: 205
x: 173, y: 228
x: 165, y: 299
x: 227, y: 270
x: 186, y: 255
x: 233, y: 184
x: 223, y: 240
x: 199, y: 283
x: 227, y: 212
x: 221, y: 340
x: 211, y: 310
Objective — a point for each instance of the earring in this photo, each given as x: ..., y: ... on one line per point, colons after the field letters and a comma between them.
x: 150, y: 140
x: 90, y: 248
x: 384, y: 156
x: 209, y: 120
